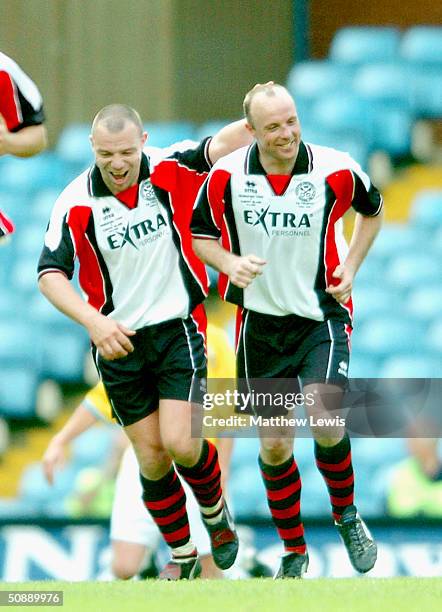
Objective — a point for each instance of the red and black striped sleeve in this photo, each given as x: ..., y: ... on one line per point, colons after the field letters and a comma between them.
x: 20, y: 103
x: 207, y: 219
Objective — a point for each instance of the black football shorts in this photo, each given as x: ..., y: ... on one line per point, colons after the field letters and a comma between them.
x: 168, y: 362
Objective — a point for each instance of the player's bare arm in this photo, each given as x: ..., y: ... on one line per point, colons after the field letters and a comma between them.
x: 110, y: 337
x: 55, y: 454
x: 26, y: 142
x: 241, y: 270
x: 364, y: 232
x: 231, y: 137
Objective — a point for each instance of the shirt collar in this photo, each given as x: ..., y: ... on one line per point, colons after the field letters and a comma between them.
x: 98, y: 188
x: 303, y: 163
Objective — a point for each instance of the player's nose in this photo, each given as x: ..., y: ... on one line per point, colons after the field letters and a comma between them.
x: 117, y: 163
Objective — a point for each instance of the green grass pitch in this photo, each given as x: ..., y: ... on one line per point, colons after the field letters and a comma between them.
x: 323, y: 594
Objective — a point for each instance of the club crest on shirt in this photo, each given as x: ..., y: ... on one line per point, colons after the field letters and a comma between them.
x: 148, y: 194
x: 305, y: 192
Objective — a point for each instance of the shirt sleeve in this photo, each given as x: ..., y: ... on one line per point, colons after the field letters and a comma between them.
x: 194, y: 157
x: 58, y: 253
x: 96, y: 401
x: 209, y: 207
x: 366, y: 198
x: 21, y: 106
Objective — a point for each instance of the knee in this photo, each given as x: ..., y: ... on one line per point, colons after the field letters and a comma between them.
x: 124, y: 569
x: 328, y: 437
x: 184, y: 452
x: 276, y: 450
x: 154, y: 463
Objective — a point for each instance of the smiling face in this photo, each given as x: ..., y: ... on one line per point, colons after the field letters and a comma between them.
x: 275, y: 125
x: 118, y: 154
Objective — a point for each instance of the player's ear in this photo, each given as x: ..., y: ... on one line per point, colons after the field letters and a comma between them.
x: 144, y: 137
x: 250, y: 128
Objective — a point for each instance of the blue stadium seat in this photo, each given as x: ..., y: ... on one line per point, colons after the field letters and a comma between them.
x: 73, y: 146
x: 41, y: 208
x: 344, y: 111
x: 377, y: 452
x: 7, y: 254
x: 386, y: 88
x: 358, y: 45
x: 165, y: 133
x: 18, y: 389
x: 93, y: 447
x: 344, y: 140
x: 10, y: 305
x: 64, y: 354
x: 308, y: 81
x: 422, y: 45
x: 388, y: 336
x: 315, y: 500
x: 363, y: 365
x: 371, y: 302
x: 427, y: 92
x: 421, y: 365
x: 385, y: 83
x: 20, y: 342
x: 413, y: 270
x: 245, y: 452
x: 371, y: 273
x: 247, y: 492
x: 433, y: 339
x: 436, y: 243
x: 34, y: 173
x: 424, y: 303
x: 392, y: 130
x: 426, y: 209
x: 395, y: 238
x: 43, y: 315
x: 23, y: 274
x: 28, y: 243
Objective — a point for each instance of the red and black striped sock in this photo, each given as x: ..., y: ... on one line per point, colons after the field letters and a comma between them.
x: 334, y: 463
x: 283, y: 488
x: 204, y: 478
x: 165, y: 499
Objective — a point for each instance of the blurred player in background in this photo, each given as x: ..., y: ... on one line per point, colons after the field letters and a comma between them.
x: 127, y: 221
x: 269, y: 219
x: 22, y: 132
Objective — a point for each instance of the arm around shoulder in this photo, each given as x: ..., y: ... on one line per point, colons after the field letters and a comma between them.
x: 26, y: 142
x: 231, y: 137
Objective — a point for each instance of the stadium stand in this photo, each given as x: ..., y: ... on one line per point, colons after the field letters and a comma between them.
x: 360, y: 45
x: 163, y: 134
x: 363, y: 98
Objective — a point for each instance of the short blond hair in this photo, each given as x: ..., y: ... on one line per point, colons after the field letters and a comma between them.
x: 269, y: 89
x: 115, y: 116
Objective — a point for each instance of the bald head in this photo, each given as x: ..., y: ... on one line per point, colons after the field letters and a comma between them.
x: 273, y: 121
x: 115, y: 117
x: 267, y: 90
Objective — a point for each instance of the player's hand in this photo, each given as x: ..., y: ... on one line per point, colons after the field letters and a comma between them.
x: 341, y: 291
x: 110, y: 337
x: 4, y: 136
x: 243, y: 270
x: 54, y: 457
